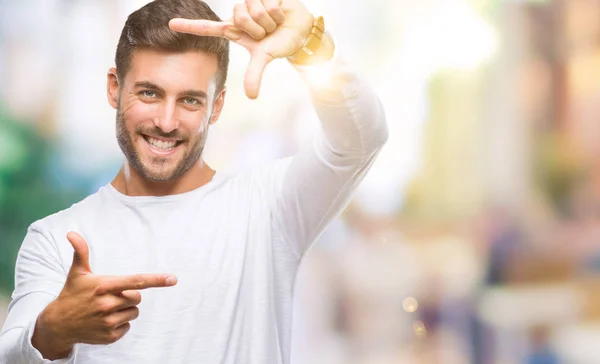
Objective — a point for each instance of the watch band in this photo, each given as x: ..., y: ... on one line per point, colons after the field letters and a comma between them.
x: 309, y: 51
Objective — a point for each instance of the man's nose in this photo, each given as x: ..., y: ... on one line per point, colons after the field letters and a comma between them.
x: 167, y: 119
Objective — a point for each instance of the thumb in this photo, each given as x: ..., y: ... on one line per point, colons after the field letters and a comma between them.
x: 254, y: 73
x: 81, y: 257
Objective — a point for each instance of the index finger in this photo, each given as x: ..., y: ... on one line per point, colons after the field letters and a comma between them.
x: 199, y: 27
x: 137, y: 282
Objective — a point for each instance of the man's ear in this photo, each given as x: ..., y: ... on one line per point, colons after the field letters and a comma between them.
x: 218, y: 106
x: 112, y: 87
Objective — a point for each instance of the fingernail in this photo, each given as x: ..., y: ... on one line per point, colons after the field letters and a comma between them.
x: 171, y: 281
x: 174, y: 22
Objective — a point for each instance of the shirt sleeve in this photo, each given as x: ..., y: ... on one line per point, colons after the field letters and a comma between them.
x: 317, y: 183
x: 39, y: 278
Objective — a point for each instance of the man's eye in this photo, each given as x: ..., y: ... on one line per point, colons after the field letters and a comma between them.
x: 148, y: 93
x: 190, y: 101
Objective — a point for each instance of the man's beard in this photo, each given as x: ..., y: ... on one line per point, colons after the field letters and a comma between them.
x: 158, y: 174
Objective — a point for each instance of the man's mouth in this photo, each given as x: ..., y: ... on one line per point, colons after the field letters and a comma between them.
x: 162, y: 146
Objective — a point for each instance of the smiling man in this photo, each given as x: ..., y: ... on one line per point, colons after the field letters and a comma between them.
x: 164, y: 109
x: 228, y: 247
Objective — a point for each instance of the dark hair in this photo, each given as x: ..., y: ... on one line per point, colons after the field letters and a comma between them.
x: 148, y: 28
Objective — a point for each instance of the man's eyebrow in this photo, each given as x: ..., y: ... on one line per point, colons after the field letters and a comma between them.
x: 194, y: 93
x: 148, y: 85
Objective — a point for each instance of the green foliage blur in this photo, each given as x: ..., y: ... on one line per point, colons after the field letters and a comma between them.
x: 27, y: 192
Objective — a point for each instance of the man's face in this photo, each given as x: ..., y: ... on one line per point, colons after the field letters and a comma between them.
x: 165, y: 105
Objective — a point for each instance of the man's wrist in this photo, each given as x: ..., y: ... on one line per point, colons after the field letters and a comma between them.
x: 317, y: 48
x: 47, y: 341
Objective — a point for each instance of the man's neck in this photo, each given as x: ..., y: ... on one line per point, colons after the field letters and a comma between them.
x: 129, y: 182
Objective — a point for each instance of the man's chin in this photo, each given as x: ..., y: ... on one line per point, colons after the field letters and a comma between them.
x: 154, y: 175
x: 154, y: 170
x: 162, y: 168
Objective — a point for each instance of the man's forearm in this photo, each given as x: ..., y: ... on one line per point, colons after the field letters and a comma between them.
x: 16, y: 347
x: 321, y: 177
x: 30, y: 345
x: 47, y: 341
x: 352, y: 117
x: 10, y: 346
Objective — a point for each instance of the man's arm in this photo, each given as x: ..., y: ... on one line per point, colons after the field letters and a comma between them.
x: 319, y: 180
x: 317, y: 183
x: 53, y: 310
x: 39, y: 278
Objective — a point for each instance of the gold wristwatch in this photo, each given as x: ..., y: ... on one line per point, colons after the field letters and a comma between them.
x: 315, y: 50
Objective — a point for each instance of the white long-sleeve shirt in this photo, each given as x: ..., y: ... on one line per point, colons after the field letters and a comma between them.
x: 235, y: 245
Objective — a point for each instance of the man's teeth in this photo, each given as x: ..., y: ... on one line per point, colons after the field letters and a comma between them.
x: 159, y: 144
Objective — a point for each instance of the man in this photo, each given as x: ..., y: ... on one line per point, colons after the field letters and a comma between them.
x: 229, y: 246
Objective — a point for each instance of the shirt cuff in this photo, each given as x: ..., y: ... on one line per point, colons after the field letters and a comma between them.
x: 35, y: 357
x: 332, y: 83
x: 320, y: 75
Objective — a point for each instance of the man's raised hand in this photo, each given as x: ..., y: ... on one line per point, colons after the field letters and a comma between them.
x: 268, y: 29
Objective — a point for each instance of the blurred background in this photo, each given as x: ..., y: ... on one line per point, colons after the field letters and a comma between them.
x: 474, y: 239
